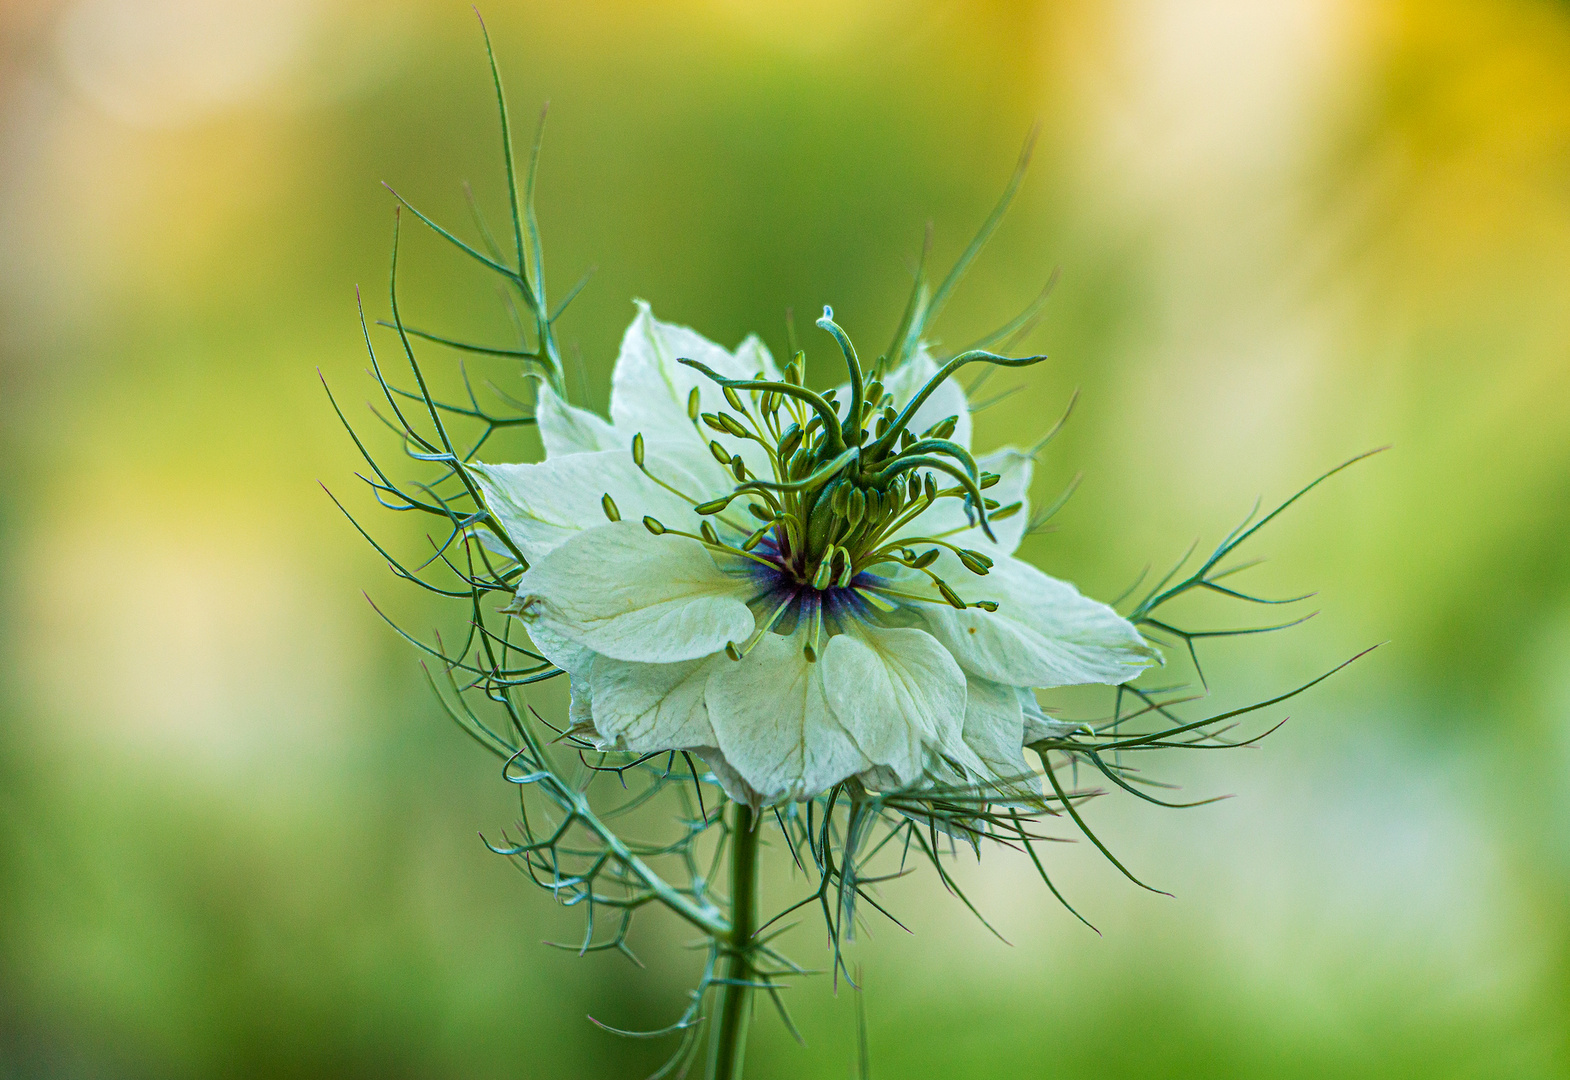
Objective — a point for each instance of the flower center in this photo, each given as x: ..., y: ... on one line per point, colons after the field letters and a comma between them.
x: 846, y: 481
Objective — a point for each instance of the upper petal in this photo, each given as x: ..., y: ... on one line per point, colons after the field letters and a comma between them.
x: 567, y: 429
x: 649, y: 388
x: 630, y: 595
x: 545, y: 503
x: 774, y: 724
x: 900, y: 695
x: 1044, y: 632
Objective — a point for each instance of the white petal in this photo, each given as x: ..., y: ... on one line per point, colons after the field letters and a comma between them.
x: 646, y: 707
x: 543, y: 504
x: 731, y: 780
x: 900, y: 695
x: 623, y: 592
x: 995, y: 728
x: 649, y: 389
x: 1038, y: 725
x: 947, y: 515
x: 1044, y: 632
x: 567, y: 429
x: 774, y: 725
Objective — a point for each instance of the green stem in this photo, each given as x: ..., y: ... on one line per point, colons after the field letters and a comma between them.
x: 732, y: 1009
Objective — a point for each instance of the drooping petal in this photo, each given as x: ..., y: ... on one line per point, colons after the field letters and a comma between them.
x: 646, y: 707
x: 567, y: 429
x: 543, y: 504
x: 995, y: 729
x: 1044, y: 632
x: 774, y: 724
x: 1038, y: 725
x: 947, y: 517
x: 900, y: 695
x: 627, y: 594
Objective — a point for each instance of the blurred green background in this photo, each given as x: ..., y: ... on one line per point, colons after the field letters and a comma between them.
x: 236, y: 836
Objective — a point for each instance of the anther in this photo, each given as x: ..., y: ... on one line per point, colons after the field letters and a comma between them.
x: 738, y: 468
x: 988, y: 479
x: 608, y: 504
x: 759, y: 512
x: 733, y: 398
x: 789, y: 441
x: 975, y: 562
x: 693, y: 405
x: 949, y: 594
x: 925, y: 559
x: 986, y: 605
x: 709, y: 534
x: 721, y: 454
x: 637, y: 449
x: 714, y: 506
x: 732, y: 425
x: 653, y: 526
x: 820, y: 580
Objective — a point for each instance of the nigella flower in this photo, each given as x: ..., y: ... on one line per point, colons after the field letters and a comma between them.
x: 800, y: 588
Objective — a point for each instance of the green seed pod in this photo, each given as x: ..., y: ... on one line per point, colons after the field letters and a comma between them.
x: 608, y: 504
x: 653, y: 526
x: 637, y: 449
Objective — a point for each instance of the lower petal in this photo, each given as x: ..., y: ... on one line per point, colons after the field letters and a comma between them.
x: 773, y: 722
x: 648, y: 707
x: 900, y: 695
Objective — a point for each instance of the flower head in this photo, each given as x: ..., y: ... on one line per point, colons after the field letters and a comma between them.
x: 799, y: 587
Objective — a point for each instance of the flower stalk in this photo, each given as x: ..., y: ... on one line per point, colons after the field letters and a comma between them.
x: 733, y: 1010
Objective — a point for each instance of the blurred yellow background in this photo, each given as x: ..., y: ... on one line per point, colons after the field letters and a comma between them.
x: 237, y: 838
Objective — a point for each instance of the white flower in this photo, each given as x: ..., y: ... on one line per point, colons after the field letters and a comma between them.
x: 801, y: 589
